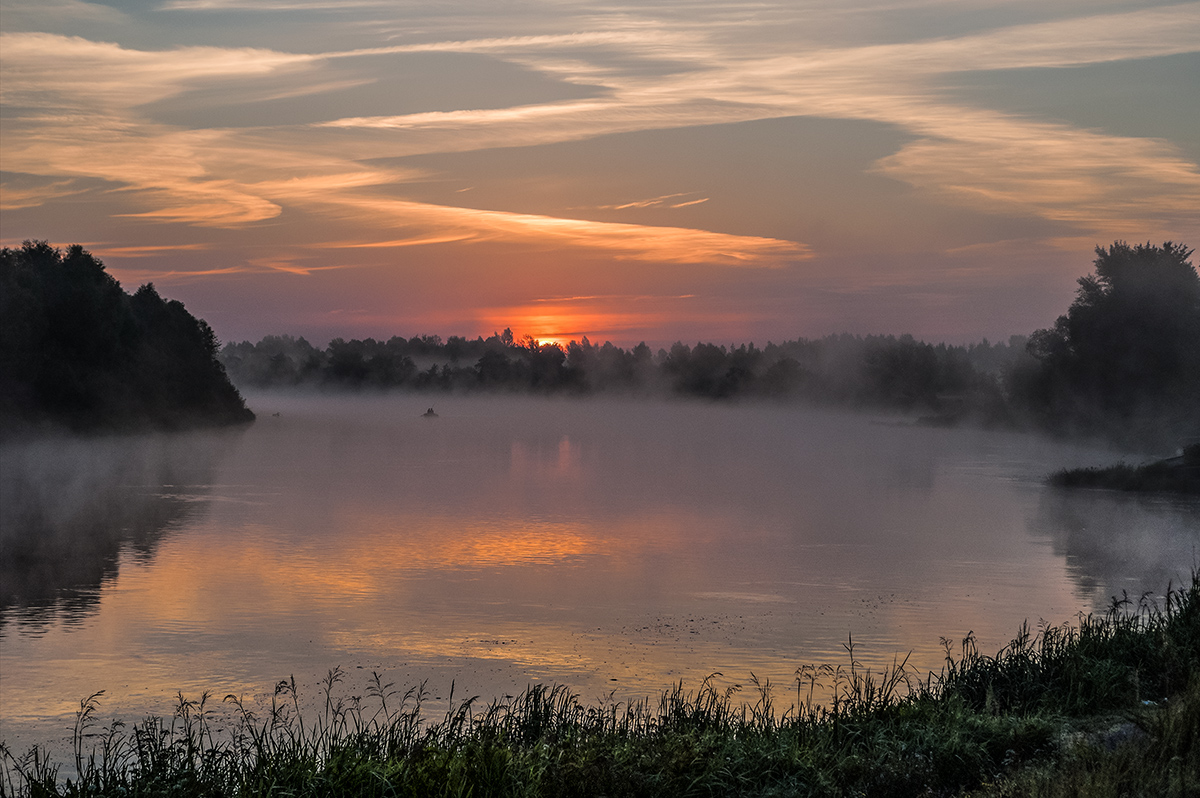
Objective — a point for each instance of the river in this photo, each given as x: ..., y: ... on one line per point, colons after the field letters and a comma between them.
x: 617, y: 547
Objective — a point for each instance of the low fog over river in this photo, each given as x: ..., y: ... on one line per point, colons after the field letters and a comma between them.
x: 616, y: 547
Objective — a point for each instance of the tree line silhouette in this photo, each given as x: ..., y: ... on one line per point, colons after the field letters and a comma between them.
x: 859, y: 370
x: 77, y: 351
x: 1123, y: 362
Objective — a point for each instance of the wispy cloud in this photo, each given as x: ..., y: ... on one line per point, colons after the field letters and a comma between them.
x: 43, y: 70
x: 81, y: 115
x: 1122, y: 186
x: 637, y: 36
x: 175, y: 275
x: 975, y: 156
x: 290, y: 266
x: 29, y: 13
x: 13, y: 197
x: 104, y: 250
x: 653, y: 202
x: 271, y: 5
x: 442, y: 224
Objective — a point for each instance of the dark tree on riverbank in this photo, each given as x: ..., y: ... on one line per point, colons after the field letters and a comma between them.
x: 77, y: 351
x: 1125, y: 358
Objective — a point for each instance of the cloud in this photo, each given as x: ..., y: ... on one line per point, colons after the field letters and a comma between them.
x: 654, y: 202
x: 289, y: 265
x: 636, y: 36
x: 1125, y: 187
x: 227, y: 209
x: 30, y: 13
x: 79, y: 116
x: 271, y: 5
x: 103, y: 250
x: 283, y: 264
x: 14, y: 196
x: 48, y: 71
x: 986, y: 159
x: 443, y: 224
x: 175, y: 275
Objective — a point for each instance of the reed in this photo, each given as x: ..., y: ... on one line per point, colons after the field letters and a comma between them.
x: 1084, y: 709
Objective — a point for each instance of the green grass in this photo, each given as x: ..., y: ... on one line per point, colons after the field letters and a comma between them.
x: 1107, y: 706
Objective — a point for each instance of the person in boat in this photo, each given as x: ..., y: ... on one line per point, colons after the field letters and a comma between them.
x: 430, y: 414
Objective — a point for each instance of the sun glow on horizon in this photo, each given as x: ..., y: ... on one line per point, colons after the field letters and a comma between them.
x: 597, y: 318
x: 776, y: 152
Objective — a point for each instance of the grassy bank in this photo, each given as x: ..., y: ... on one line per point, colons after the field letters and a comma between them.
x: 1174, y: 475
x: 1107, y: 706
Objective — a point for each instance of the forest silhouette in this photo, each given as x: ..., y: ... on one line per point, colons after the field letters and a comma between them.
x: 77, y: 351
x: 1123, y: 363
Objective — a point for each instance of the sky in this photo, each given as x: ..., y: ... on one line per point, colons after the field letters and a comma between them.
x: 661, y: 170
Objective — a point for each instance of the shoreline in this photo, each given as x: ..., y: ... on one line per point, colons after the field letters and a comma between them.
x: 1091, y: 705
x: 1178, y: 475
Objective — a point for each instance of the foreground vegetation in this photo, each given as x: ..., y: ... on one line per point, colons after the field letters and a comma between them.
x: 1110, y: 706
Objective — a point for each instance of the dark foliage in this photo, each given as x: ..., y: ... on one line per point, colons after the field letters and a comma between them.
x: 951, y: 383
x: 1124, y: 360
x: 1123, y: 363
x: 77, y: 351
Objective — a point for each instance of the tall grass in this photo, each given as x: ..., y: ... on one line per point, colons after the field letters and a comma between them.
x: 1109, y: 701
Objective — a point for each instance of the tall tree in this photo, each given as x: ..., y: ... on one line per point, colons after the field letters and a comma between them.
x: 1125, y: 358
x: 76, y: 350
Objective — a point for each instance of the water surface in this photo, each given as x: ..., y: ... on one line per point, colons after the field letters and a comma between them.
x: 616, y: 547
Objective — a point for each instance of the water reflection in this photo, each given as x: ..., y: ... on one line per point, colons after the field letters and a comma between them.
x: 602, y: 545
x: 69, y: 507
x: 1116, y: 544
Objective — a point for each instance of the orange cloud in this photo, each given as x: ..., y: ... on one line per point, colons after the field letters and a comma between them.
x: 16, y: 197
x: 174, y: 275
x: 441, y: 223
x: 995, y: 161
x: 107, y: 251
x: 83, y: 103
x: 655, y: 202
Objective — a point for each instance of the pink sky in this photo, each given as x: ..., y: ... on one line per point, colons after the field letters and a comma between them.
x: 725, y: 171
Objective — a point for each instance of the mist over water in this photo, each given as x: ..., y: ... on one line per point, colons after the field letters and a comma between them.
x: 615, y: 546
x: 69, y: 506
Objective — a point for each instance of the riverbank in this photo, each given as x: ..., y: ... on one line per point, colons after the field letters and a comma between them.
x: 1180, y: 474
x: 1107, y: 706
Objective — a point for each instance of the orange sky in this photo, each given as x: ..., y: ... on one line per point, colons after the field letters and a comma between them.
x: 728, y: 172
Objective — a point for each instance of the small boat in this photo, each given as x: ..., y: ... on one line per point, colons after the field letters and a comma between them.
x: 429, y: 414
